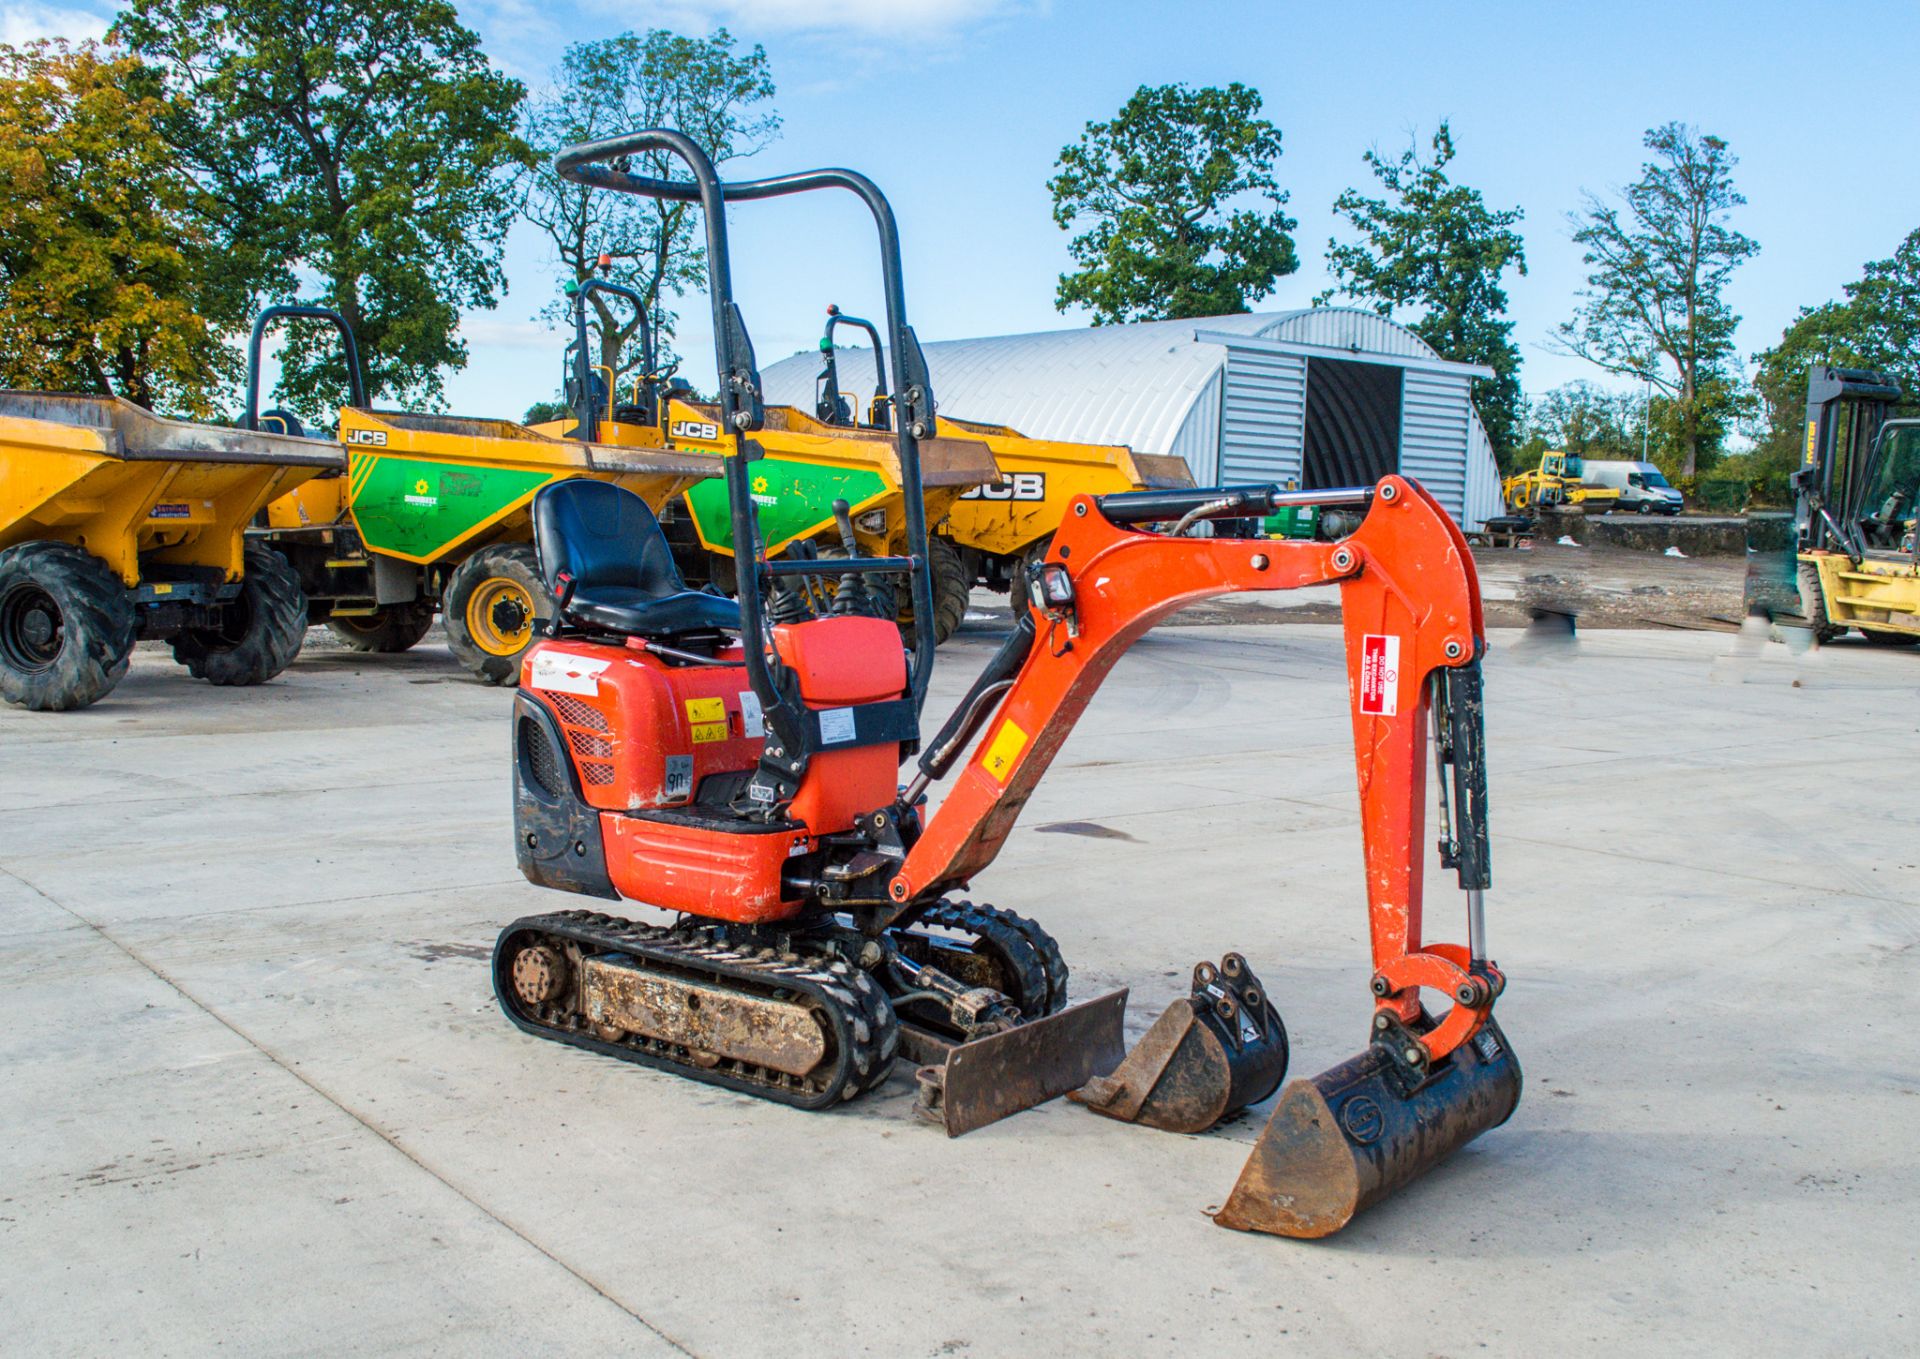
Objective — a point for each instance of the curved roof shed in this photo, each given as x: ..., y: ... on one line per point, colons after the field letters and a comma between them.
x: 1240, y: 397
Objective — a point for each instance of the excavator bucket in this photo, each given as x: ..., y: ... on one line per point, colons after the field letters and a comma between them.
x: 1349, y: 1137
x: 1210, y: 1054
x: 985, y: 1079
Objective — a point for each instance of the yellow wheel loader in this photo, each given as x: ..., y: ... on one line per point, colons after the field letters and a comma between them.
x: 1556, y: 482
x: 117, y: 525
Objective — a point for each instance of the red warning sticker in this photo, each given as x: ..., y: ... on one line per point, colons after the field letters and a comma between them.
x: 1379, y: 675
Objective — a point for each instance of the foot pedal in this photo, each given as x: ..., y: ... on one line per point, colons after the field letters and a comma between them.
x: 1211, y: 1054
x: 985, y: 1079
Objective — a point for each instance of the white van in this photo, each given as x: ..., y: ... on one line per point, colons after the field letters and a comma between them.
x: 1642, y: 489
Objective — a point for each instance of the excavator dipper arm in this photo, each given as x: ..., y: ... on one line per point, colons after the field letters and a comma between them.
x: 1410, y: 600
x: 1411, y: 607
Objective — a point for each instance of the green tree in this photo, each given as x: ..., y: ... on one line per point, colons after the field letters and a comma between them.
x: 701, y: 86
x: 1155, y: 190
x: 1876, y: 325
x: 1434, y: 246
x: 1587, y: 421
x: 1654, y: 307
x: 365, y: 142
x: 108, y: 282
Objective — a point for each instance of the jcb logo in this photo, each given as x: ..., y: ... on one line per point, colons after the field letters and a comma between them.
x: 694, y: 429
x: 376, y: 437
x: 1023, y: 486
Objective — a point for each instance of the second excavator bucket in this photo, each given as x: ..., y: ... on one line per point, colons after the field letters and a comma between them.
x: 985, y: 1079
x: 1210, y: 1054
x: 1349, y: 1137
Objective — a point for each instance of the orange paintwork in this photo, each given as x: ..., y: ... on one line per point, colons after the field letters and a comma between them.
x: 1405, y: 576
x: 625, y: 712
x: 718, y: 874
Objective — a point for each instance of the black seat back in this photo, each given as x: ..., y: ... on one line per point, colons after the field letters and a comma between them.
x: 601, y: 534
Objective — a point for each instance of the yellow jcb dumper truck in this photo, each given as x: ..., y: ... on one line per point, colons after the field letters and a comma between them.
x: 993, y: 531
x: 431, y: 512
x: 116, y: 525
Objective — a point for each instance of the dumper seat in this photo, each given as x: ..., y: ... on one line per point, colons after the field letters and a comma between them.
x: 605, y: 558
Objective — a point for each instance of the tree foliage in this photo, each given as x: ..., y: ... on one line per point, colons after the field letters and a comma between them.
x: 365, y: 142
x: 1181, y: 211
x: 1434, y: 246
x: 108, y: 283
x: 1876, y: 325
x: 1585, y: 420
x: 1654, y: 307
x: 703, y: 87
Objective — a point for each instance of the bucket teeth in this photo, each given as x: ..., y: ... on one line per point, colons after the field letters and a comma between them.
x: 1354, y: 1134
x: 1211, y: 1053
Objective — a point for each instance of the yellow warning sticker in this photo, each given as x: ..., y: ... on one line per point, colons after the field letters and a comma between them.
x: 1004, y: 749
x: 708, y: 718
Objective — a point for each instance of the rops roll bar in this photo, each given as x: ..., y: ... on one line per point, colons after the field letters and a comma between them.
x: 741, y: 408
x: 356, y: 376
x: 587, y: 416
x: 827, y: 403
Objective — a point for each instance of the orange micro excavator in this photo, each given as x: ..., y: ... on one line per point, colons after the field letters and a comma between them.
x: 737, y: 761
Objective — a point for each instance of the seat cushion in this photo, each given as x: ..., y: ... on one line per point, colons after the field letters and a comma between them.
x: 629, y: 608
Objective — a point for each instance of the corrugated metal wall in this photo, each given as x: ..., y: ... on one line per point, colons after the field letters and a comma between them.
x: 1199, y: 438
x: 1434, y: 415
x: 1484, y: 500
x: 1263, y: 424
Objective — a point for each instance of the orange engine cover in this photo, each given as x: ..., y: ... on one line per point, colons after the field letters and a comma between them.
x: 643, y: 735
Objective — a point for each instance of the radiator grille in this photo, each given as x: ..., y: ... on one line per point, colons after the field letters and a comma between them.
x: 540, y: 760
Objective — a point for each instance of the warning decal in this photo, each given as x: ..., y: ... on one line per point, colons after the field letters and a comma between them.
x: 708, y: 719
x: 1004, y: 750
x: 1379, y: 675
x: 560, y: 673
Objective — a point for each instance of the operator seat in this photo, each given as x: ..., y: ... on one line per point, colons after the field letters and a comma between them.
x: 621, y: 573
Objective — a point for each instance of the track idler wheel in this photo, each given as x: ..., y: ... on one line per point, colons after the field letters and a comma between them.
x: 1349, y: 1137
x: 1211, y: 1054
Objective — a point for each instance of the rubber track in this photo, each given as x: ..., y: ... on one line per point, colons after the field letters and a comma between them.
x: 1043, y: 970
x: 863, y: 1031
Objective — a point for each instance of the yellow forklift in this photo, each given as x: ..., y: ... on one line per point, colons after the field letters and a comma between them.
x: 1845, y: 558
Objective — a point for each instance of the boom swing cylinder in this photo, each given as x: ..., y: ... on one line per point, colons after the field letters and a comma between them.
x: 752, y: 785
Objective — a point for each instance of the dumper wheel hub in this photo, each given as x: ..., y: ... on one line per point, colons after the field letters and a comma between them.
x: 30, y: 628
x: 500, y: 617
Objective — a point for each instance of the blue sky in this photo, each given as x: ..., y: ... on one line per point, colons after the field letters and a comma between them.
x: 959, y: 107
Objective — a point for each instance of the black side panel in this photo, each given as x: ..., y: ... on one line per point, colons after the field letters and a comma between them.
x: 556, y: 835
x: 1353, y: 423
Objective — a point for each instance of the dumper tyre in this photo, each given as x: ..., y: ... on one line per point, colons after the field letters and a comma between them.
x: 495, y: 606
x: 265, y: 629
x: 1813, y: 607
x: 1878, y: 638
x: 67, y: 627
x: 395, y: 628
x: 951, y: 589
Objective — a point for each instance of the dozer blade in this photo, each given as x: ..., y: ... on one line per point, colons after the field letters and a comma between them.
x: 1211, y: 1054
x: 985, y: 1079
x: 1349, y: 1137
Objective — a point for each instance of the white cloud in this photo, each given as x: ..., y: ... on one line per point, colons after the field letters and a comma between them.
x: 484, y: 329
x: 892, y: 17
x: 23, y: 23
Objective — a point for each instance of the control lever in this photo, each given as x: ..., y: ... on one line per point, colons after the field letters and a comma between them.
x: 852, y: 596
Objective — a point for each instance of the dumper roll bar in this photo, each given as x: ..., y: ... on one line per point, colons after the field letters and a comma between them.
x: 587, y: 414
x: 742, y: 411
x: 827, y: 404
x: 356, y: 375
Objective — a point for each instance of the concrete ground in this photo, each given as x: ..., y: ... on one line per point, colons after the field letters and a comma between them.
x: 258, y: 1097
